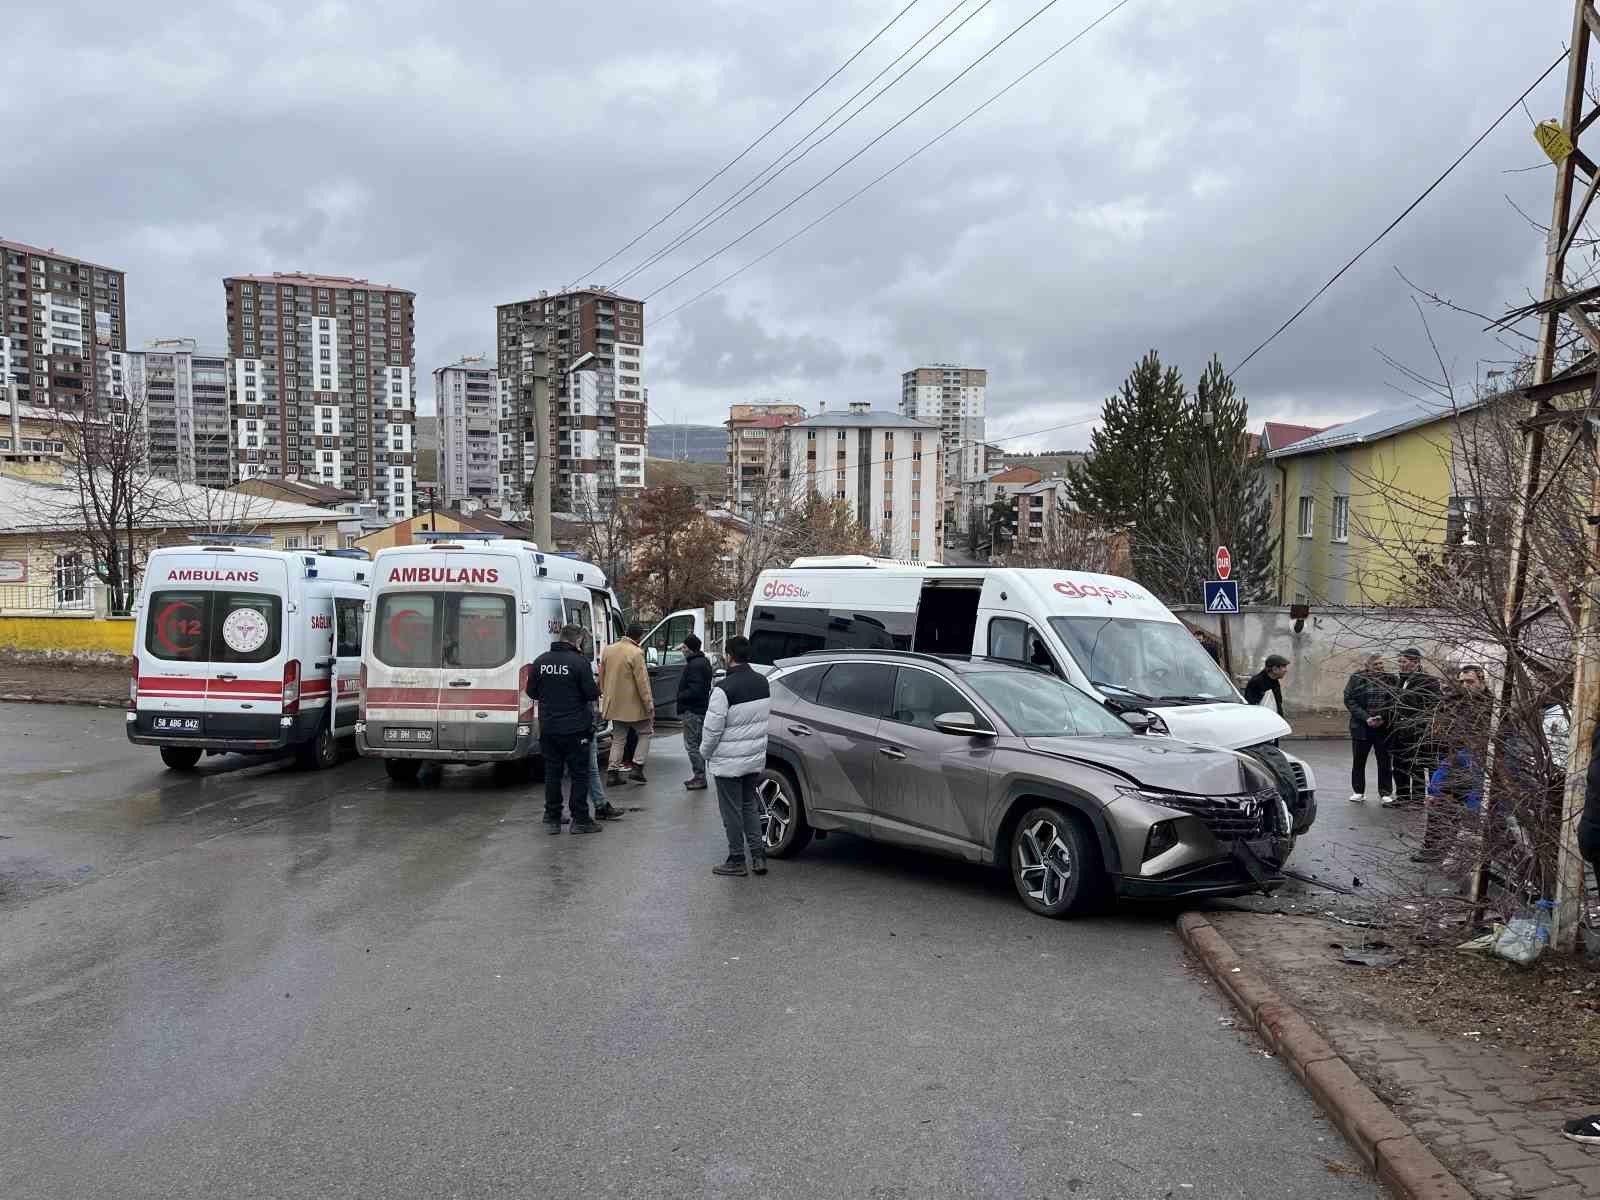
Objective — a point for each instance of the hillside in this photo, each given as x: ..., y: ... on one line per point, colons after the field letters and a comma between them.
x: 1046, y: 464
x: 705, y: 477
x: 689, y: 443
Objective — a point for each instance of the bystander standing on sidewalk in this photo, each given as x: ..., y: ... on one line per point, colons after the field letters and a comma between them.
x: 1460, y: 737
x: 735, y: 750
x: 1268, y: 680
x: 626, y: 702
x: 604, y: 810
x: 1366, y: 695
x: 694, y: 695
x: 1416, y: 696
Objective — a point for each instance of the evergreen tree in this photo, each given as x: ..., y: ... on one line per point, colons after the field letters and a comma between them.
x: 1219, y: 494
x: 1128, y: 477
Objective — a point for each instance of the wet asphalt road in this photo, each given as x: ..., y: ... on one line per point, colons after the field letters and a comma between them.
x: 256, y: 981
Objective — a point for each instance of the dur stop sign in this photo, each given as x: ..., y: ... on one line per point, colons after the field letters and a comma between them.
x: 1224, y: 562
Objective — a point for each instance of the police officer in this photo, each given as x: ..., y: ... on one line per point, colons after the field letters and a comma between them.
x: 562, y: 682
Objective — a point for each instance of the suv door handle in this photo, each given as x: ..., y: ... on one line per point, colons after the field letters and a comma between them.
x: 800, y: 730
x: 461, y: 683
x: 227, y: 677
x: 891, y: 752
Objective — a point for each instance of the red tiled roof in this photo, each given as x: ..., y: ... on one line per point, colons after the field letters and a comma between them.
x: 1279, y: 434
x: 1017, y: 475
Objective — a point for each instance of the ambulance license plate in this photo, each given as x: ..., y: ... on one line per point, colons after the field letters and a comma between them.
x: 178, y: 724
x: 403, y: 733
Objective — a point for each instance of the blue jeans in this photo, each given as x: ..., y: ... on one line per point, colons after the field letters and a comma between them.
x: 597, y: 787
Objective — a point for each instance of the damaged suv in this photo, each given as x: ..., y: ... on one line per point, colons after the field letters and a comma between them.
x: 996, y: 763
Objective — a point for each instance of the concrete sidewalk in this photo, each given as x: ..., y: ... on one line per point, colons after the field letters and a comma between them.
x: 1485, y: 1111
x: 52, y: 683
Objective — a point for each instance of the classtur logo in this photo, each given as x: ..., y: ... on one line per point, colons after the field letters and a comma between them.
x: 444, y: 575
x: 1091, y: 591
x: 777, y: 589
x: 196, y: 576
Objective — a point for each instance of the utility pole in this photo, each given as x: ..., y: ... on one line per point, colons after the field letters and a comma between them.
x: 1564, y: 227
x: 1208, y: 423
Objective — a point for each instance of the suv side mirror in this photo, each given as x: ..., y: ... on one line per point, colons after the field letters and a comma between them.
x: 961, y: 724
x: 1139, y: 722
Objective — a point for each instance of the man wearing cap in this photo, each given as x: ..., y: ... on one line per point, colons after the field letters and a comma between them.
x: 1416, y: 696
x: 1267, y: 680
x: 626, y: 701
x: 694, y: 694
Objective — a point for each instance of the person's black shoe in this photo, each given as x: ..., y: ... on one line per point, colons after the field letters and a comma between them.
x: 552, y: 826
x: 734, y: 866
x: 609, y: 812
x: 636, y: 775
x: 586, y: 827
x: 1583, y: 1129
x: 613, y: 778
x: 759, y: 866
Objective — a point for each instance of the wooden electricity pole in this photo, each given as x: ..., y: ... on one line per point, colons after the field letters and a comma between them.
x: 1563, y: 148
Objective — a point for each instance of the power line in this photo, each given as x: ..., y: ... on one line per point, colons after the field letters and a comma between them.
x: 1295, y: 316
x: 735, y: 159
x: 1035, y: 15
x: 880, y: 178
x: 745, y: 192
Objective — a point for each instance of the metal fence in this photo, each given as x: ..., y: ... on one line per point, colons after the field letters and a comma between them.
x: 67, y: 593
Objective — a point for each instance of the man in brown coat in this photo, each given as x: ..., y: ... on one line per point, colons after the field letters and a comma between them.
x: 626, y: 701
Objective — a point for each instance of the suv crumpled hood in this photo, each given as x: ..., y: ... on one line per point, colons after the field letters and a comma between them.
x: 1161, y: 763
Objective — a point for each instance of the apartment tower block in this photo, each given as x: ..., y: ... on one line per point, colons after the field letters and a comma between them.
x: 61, y: 318
x: 952, y: 398
x: 324, y: 387
x: 467, y: 399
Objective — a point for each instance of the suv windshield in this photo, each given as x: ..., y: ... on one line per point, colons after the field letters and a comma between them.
x: 1039, y: 705
x: 1149, y: 660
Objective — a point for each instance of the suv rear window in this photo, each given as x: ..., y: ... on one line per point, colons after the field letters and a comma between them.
x: 440, y: 629
x: 192, y: 625
x: 864, y: 688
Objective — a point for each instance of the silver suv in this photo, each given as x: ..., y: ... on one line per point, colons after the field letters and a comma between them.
x: 996, y: 763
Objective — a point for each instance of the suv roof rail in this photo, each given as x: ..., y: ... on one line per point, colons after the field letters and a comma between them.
x: 920, y: 655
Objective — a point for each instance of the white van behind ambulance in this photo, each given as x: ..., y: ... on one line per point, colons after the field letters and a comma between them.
x: 1106, y: 636
x: 455, y: 624
x: 242, y: 648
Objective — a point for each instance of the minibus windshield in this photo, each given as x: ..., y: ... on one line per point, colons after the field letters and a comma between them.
x: 1148, y: 661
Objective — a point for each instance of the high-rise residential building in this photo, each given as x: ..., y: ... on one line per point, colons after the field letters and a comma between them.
x: 592, y: 360
x: 522, y: 340
x: 466, y: 396
x: 953, y: 398
x: 752, y: 439
x: 324, y: 387
x: 887, y: 468
x: 182, y: 392
x: 63, y: 316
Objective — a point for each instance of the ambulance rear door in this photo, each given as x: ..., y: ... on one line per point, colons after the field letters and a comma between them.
x: 480, y: 699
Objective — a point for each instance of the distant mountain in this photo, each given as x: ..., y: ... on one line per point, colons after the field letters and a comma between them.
x: 689, y: 443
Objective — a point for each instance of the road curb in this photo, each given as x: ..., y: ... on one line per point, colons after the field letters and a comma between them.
x: 90, y: 701
x: 1387, y: 1143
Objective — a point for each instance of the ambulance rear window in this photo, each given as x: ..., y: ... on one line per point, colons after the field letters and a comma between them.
x: 179, y: 626
x: 478, y: 631
x: 407, y: 629
x: 221, y: 627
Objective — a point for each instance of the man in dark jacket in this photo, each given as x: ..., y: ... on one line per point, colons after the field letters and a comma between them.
x: 562, y: 683
x: 1366, y: 695
x: 1266, y: 680
x: 694, y: 694
x: 1459, y: 743
x: 1416, y: 696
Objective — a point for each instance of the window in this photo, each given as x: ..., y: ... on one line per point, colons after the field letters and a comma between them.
x: 1035, y: 707
x: 1464, y: 521
x: 920, y: 696
x: 1308, y: 516
x: 480, y: 631
x: 1020, y: 642
x: 786, y: 632
x: 663, y: 646
x: 291, y: 543
x: 224, y: 627
x: 72, y: 579
x: 864, y: 688
x: 802, y: 683
x: 1341, y: 518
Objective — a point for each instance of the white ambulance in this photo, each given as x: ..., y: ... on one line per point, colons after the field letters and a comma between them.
x: 1106, y: 636
x: 454, y: 626
x: 242, y: 648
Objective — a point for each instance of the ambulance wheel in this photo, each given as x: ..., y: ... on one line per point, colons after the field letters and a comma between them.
x: 179, y: 758
x: 321, y: 752
x: 402, y: 770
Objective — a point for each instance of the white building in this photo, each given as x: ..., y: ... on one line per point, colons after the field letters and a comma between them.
x: 467, y: 397
x: 184, y: 392
x: 629, y: 467
x: 953, y: 398
x: 888, y: 468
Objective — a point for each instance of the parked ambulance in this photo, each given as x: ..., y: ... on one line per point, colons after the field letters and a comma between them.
x: 454, y: 627
x: 242, y: 648
x: 1106, y: 636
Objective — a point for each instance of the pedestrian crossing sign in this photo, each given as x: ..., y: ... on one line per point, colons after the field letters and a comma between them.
x: 1222, y: 595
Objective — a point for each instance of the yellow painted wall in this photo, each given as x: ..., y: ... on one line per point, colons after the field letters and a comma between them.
x: 67, y: 633
x: 1399, y: 490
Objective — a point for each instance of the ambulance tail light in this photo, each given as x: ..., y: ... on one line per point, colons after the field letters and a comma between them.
x: 361, y: 685
x: 133, y: 688
x: 528, y: 706
x: 291, y: 688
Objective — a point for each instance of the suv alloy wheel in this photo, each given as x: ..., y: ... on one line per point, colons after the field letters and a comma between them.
x: 783, y: 823
x: 1054, y: 864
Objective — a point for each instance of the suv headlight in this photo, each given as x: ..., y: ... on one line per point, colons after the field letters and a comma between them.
x: 1157, y: 725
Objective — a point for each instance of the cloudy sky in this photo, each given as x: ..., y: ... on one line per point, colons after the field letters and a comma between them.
x: 1182, y: 178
